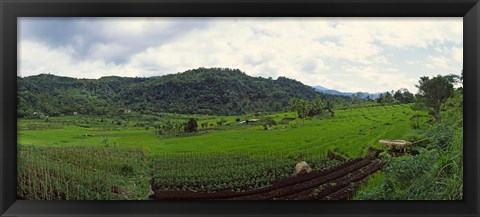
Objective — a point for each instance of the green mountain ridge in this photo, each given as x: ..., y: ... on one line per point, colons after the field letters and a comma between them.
x: 219, y: 91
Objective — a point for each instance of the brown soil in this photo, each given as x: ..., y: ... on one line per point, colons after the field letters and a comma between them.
x: 399, y: 153
x: 336, y: 183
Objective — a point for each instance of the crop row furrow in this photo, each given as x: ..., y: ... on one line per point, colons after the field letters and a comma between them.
x: 328, y: 188
x: 286, y: 190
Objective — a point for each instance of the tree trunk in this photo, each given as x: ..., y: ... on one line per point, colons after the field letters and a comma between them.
x: 437, y: 114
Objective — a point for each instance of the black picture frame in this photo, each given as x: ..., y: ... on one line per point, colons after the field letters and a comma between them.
x: 10, y: 10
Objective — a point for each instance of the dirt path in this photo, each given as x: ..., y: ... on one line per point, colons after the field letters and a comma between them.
x: 336, y: 183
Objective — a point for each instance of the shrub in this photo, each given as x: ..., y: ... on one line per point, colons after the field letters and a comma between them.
x: 267, y: 123
x: 406, y: 178
x: 286, y: 120
x: 221, y: 122
x: 440, y: 136
x: 127, y: 170
x: 191, y: 125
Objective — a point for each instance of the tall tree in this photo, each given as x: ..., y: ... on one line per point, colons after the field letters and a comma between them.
x: 316, y: 107
x: 380, y: 99
x: 404, y: 96
x: 398, y: 96
x: 433, y: 92
x: 388, y: 97
x: 329, y: 107
x: 408, y: 97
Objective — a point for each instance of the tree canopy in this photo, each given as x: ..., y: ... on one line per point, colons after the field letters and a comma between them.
x: 215, y: 91
x: 434, y: 92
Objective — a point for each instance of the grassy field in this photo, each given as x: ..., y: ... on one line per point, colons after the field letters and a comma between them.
x: 350, y: 132
x: 126, y: 152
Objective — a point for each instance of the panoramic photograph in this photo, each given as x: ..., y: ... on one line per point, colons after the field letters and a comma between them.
x: 239, y: 108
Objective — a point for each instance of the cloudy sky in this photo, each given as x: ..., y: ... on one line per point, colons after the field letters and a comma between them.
x: 346, y: 54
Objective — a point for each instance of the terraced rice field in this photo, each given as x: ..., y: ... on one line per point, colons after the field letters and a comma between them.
x: 350, y: 132
x: 83, y: 155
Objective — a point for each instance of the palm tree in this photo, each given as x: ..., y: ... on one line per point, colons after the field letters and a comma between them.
x: 329, y: 107
x: 295, y: 105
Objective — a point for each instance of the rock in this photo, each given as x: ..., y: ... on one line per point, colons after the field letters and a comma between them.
x: 302, y: 168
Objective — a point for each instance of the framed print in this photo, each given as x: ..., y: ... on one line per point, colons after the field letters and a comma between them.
x: 176, y: 108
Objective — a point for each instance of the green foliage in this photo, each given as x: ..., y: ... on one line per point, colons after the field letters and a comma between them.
x: 249, y: 147
x: 286, y: 120
x: 79, y: 173
x: 400, y: 96
x: 452, y: 109
x: 267, y: 123
x: 191, y: 126
x: 419, y: 121
x: 405, y: 178
x: 127, y: 170
x: 404, y: 96
x: 435, y: 174
x: 229, y: 156
x: 434, y: 92
x: 221, y: 121
x: 228, y: 171
x: 441, y: 136
x: 218, y: 91
x: 385, y: 98
x: 270, y: 122
x: 329, y: 106
x: 369, y: 191
x: 167, y: 136
x: 104, y: 140
x: 309, y: 108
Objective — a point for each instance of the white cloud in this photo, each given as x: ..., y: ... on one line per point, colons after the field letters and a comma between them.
x: 37, y: 58
x: 315, y: 51
x: 457, y: 54
x: 439, y: 61
x: 451, y: 62
x: 385, y: 79
x: 417, y: 32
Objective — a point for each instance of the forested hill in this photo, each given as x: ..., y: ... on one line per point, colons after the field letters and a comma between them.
x: 199, y: 91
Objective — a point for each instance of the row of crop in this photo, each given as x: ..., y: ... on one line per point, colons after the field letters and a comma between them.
x: 213, y: 173
x: 110, y: 160
x: 40, y: 178
x: 80, y: 174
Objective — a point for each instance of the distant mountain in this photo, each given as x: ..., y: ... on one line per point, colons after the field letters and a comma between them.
x: 216, y: 91
x: 361, y: 95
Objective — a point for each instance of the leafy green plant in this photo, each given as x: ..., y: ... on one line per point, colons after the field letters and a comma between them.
x: 441, y: 135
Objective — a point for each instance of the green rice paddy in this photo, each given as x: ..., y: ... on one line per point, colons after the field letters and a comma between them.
x: 350, y: 132
x: 102, y: 157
